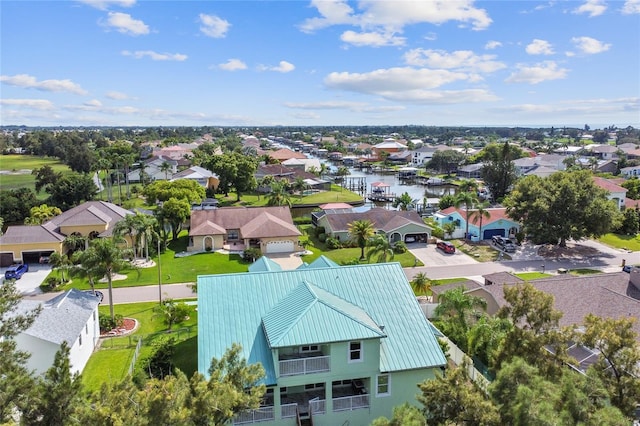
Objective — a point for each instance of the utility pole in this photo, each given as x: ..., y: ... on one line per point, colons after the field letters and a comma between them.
x: 159, y: 274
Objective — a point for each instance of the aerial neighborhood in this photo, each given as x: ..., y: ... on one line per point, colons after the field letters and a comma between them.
x: 327, y: 276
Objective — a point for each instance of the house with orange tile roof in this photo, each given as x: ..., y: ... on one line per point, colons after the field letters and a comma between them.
x: 617, y: 193
x: 285, y: 154
x: 498, y: 223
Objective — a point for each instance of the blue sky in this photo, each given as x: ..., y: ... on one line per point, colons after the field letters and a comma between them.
x: 329, y: 62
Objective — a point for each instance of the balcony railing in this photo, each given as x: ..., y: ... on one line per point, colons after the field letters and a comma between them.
x: 261, y: 414
x: 298, y: 366
x: 349, y: 403
x: 317, y: 406
x: 288, y: 410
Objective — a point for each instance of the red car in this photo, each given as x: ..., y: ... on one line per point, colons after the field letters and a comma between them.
x: 446, y: 247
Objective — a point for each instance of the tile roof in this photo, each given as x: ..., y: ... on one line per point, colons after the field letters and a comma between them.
x: 253, y: 222
x: 285, y: 154
x: 386, y: 220
x: 29, y: 234
x: 232, y: 308
x: 608, y: 185
x: 62, y: 318
x: 89, y: 213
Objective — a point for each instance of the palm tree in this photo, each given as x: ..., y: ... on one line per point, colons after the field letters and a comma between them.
x: 421, y: 284
x: 456, y: 312
x: 380, y: 247
x: 165, y: 167
x: 279, y: 195
x: 60, y: 262
x: 74, y: 242
x: 105, y: 258
x: 405, y: 202
x: 300, y: 185
x: 146, y: 229
x: 127, y: 227
x: 479, y: 214
x: 468, y: 185
x: 468, y: 199
x: 361, y: 231
x: 449, y: 228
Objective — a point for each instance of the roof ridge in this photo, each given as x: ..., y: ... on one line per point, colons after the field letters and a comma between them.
x: 292, y: 323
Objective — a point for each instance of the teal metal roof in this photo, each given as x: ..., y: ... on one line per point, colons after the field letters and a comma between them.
x: 231, y: 308
x: 320, y: 262
x: 264, y: 264
x: 294, y: 320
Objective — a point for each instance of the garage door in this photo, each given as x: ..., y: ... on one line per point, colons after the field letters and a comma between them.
x: 30, y: 257
x: 6, y: 259
x: 280, y: 247
x: 488, y: 233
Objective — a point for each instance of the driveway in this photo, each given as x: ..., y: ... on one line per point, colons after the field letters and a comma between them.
x: 286, y: 260
x: 30, y: 282
x: 430, y: 256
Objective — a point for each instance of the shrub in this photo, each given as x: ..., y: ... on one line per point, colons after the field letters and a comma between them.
x: 438, y: 233
x: 108, y: 324
x: 303, y: 220
x: 50, y: 284
x: 399, y: 247
x: 173, y: 312
x: 322, y: 237
x: 319, y: 231
x: 158, y: 363
x: 354, y: 261
x: 333, y: 243
x: 251, y: 254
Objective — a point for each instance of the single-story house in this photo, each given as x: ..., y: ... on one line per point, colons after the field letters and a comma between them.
x: 270, y: 229
x: 284, y: 154
x: 205, y: 178
x: 470, y: 171
x: 498, y: 223
x: 405, y: 226
x: 27, y: 244
x: 340, y: 344
x: 70, y: 317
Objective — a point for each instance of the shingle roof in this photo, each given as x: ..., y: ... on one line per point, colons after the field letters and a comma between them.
x: 386, y: 220
x: 30, y: 234
x: 254, y: 222
x: 494, y: 215
x: 232, y: 307
x: 62, y: 318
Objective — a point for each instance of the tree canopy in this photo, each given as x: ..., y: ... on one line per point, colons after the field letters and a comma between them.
x: 499, y: 172
x: 563, y: 206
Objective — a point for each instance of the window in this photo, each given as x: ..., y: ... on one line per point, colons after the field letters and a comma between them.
x: 355, y: 351
x: 232, y: 234
x: 80, y: 340
x: 309, y: 348
x: 312, y: 386
x: 383, y: 382
x: 86, y: 329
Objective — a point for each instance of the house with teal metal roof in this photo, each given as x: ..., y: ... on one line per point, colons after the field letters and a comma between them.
x: 339, y: 344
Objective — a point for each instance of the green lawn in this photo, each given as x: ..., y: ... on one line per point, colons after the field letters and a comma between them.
x: 628, y: 242
x: 174, y: 269
x: 337, y: 194
x: 111, y: 362
x: 528, y: 276
x: 17, y: 165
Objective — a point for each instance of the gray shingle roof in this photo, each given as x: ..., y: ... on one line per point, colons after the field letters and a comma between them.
x: 383, y: 219
x: 254, y: 222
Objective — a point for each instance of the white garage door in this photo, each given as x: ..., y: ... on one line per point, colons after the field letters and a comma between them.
x: 280, y: 247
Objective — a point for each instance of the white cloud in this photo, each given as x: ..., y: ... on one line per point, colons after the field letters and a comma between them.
x: 283, y: 67
x: 441, y: 97
x: 592, y: 8
x: 213, y: 26
x: 344, y: 105
x: 590, y: 45
x: 233, y: 65
x: 30, y: 82
x: 539, y: 47
x: 460, y: 60
x: 492, y: 45
x: 105, y: 4
x: 631, y: 7
x: 39, y: 104
x: 94, y: 103
x: 393, y: 16
x: 374, y: 39
x: 575, y: 109
x: 139, y: 54
x: 125, y: 24
x: 117, y: 95
x: 547, y: 70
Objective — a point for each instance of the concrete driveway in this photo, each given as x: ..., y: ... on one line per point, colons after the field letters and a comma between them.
x: 430, y: 256
x: 30, y: 282
x: 286, y: 260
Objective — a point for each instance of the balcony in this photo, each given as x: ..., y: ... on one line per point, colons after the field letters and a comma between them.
x: 307, y: 365
x: 262, y: 414
x: 350, y: 403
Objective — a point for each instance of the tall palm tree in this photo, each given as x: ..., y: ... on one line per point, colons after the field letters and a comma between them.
x: 146, y: 230
x: 61, y: 263
x: 279, y: 195
x: 468, y: 199
x: 105, y: 258
x: 405, y: 202
x: 479, y: 214
x: 360, y: 232
x: 300, y: 185
x: 165, y: 167
x: 457, y: 311
x: 127, y: 227
x: 75, y: 242
x: 420, y: 283
x: 468, y: 185
x: 380, y: 248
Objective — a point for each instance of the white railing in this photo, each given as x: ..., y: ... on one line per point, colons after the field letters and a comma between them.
x: 261, y: 414
x: 317, y: 406
x: 294, y: 367
x: 349, y: 403
x: 288, y: 410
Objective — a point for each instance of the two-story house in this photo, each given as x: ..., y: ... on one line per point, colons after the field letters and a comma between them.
x: 339, y: 345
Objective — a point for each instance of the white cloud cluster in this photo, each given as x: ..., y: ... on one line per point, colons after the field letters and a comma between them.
x: 492, y: 44
x: 631, y: 7
x: 155, y: 56
x: 547, y: 70
x: 119, y: 96
x: 344, y: 105
x: 213, y: 26
x: 379, y: 22
x: 590, y: 46
x: 106, y: 4
x: 125, y: 24
x: 39, y: 104
x: 29, y: 82
x: 458, y: 60
x: 539, y: 47
x: 233, y: 65
x: 282, y: 67
x: 591, y: 8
